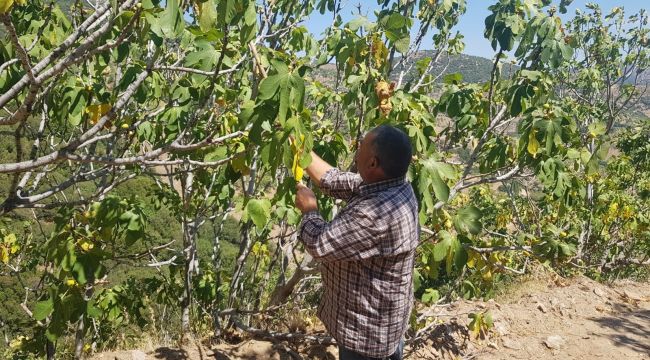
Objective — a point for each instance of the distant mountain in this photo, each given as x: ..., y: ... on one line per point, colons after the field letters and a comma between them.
x: 475, y: 69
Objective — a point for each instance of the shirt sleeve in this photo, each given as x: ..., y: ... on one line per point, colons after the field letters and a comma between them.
x: 352, y: 235
x: 340, y: 184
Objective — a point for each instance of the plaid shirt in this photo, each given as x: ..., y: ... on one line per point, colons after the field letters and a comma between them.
x: 366, y: 257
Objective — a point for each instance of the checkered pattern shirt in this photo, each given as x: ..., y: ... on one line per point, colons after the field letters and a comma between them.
x: 366, y: 256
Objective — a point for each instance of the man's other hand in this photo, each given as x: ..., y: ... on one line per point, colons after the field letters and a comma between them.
x: 305, y: 199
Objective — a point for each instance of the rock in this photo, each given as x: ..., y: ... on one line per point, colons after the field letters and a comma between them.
x: 554, y: 342
x: 511, y: 344
x: 493, y: 345
x: 632, y: 296
x: 600, y: 292
x: 541, y: 307
x: 138, y: 355
x: 501, y: 328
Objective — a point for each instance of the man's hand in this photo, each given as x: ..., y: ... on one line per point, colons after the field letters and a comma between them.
x: 305, y: 199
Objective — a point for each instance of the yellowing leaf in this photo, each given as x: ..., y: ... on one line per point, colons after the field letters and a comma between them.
x: 379, y: 52
x: 297, y: 171
x: 533, y: 144
x: 5, y: 5
x: 87, y: 246
x: 95, y: 112
x: 4, y: 255
x: 8, y: 247
x: 239, y: 164
x: 471, y: 262
x: 487, y: 276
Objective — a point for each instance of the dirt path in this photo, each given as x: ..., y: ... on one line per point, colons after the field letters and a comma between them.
x: 581, y: 319
x: 538, y: 319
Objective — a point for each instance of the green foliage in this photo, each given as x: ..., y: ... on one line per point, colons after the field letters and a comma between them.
x: 194, y: 102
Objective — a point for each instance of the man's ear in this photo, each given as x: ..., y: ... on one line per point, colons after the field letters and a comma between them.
x: 374, y: 162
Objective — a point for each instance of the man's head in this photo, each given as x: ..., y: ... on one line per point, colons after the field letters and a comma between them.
x: 384, y: 153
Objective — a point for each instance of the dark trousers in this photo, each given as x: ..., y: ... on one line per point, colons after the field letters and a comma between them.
x: 345, y: 354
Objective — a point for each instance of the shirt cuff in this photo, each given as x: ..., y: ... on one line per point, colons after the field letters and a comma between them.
x: 310, y: 215
x: 307, y: 219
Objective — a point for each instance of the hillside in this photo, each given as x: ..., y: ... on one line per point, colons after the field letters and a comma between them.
x: 542, y: 318
x: 475, y: 69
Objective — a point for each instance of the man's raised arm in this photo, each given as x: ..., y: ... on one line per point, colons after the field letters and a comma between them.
x: 317, y: 168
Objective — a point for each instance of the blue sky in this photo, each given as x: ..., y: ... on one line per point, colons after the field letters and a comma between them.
x: 472, y: 23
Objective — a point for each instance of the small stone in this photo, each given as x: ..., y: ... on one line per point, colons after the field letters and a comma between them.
x: 510, y: 344
x: 600, y: 292
x: 554, y: 342
x: 501, y: 328
x: 541, y: 308
x: 493, y: 345
x: 632, y: 296
x: 138, y: 355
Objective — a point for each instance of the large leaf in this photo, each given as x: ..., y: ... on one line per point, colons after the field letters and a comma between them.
x: 468, y: 219
x: 171, y: 20
x: 43, y: 309
x: 207, y: 15
x: 395, y: 21
x: 259, y: 211
x: 445, y: 170
x: 285, y: 93
x: 250, y: 16
x: 402, y: 45
x: 297, y: 91
x: 440, y: 187
x: 430, y: 296
x: 227, y: 10
x: 77, y: 105
x: 441, y: 248
x: 269, y: 86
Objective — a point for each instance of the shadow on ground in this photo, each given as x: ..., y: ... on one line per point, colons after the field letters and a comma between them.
x: 632, y: 327
x: 165, y: 353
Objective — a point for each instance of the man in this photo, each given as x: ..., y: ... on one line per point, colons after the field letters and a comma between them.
x: 366, y: 252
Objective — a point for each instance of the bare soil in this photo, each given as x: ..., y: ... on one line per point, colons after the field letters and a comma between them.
x: 536, y: 319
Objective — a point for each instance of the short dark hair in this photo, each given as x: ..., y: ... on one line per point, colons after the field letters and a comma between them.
x: 393, y: 149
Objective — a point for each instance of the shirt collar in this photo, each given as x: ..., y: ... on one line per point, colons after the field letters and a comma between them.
x: 365, y: 189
